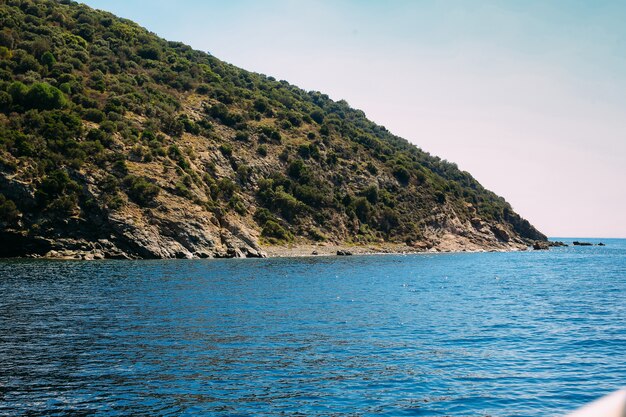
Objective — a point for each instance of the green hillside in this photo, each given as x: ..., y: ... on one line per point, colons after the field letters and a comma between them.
x: 113, y: 139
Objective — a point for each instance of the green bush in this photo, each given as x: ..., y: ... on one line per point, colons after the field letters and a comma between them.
x: 402, y: 174
x: 56, y: 183
x: 271, y: 229
x: 140, y: 190
x: 5, y: 101
x: 94, y: 115
x: 371, y: 194
x: 40, y: 96
x: 227, y: 187
x: 48, y: 60
x: 9, y: 214
x: 363, y: 209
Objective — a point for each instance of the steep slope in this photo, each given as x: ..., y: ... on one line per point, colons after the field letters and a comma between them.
x: 116, y: 143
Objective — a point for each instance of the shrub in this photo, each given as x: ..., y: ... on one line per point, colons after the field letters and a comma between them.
x: 54, y: 185
x: 242, y: 137
x: 274, y: 230
x: 9, y: 213
x: 140, y: 190
x: 226, y: 150
x: 48, y: 60
x: 363, y: 209
x: 152, y: 52
x: 402, y: 174
x: 299, y: 171
x: 304, y: 151
x: 5, y: 101
x: 288, y: 205
x: 317, y: 116
x: 271, y: 133
x: 226, y: 187
x: 94, y: 115
x: 43, y: 96
x: 371, y: 193
x: 388, y: 220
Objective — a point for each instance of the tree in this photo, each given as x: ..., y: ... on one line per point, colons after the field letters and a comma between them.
x: 43, y: 96
x: 48, y: 60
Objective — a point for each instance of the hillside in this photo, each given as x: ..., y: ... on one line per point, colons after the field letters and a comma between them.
x: 116, y: 143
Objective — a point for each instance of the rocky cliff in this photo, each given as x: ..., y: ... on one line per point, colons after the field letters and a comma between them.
x: 116, y: 143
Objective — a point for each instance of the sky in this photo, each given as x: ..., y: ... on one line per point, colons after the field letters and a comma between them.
x: 527, y: 96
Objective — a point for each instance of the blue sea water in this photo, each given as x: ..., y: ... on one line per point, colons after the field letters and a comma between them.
x: 497, y: 334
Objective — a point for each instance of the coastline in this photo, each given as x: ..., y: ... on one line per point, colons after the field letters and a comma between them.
x: 313, y: 250
x: 301, y: 251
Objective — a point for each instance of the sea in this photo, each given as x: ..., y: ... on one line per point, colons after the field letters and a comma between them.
x: 536, y: 333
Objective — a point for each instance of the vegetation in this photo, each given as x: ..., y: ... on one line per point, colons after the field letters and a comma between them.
x: 94, y: 114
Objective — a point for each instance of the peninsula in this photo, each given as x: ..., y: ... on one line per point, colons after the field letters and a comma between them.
x: 115, y: 143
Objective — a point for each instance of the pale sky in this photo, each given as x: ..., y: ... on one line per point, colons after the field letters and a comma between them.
x: 528, y: 96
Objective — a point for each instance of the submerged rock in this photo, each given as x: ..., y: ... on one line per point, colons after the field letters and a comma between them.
x: 556, y: 244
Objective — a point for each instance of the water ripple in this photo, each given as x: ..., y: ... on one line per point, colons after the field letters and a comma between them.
x: 495, y: 334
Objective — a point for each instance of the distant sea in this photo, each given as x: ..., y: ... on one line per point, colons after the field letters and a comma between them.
x: 533, y: 333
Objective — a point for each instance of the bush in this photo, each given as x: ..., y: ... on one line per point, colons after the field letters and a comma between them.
x: 9, y: 214
x: 221, y: 113
x: 274, y: 230
x: 48, y: 60
x: 317, y: 116
x: 402, y: 174
x: 5, y: 101
x: 58, y: 190
x: 226, y: 150
x: 271, y: 133
x: 140, y: 190
x: 371, y: 193
x: 363, y: 209
x: 43, y: 96
x: 152, y: 52
x: 94, y: 115
x: 227, y: 187
x: 299, y: 171
x: 288, y: 205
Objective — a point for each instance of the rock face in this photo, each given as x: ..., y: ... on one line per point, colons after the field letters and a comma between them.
x: 117, y: 144
x: 173, y: 230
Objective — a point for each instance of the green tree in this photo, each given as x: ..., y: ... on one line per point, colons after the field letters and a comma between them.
x: 43, y: 96
x: 48, y: 60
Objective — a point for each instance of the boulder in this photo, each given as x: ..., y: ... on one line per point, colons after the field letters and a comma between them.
x: 253, y: 253
x: 500, y: 233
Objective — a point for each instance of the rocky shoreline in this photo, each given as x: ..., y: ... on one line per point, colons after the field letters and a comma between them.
x: 103, y: 249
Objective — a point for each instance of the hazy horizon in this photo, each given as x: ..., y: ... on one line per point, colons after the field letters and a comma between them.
x: 528, y: 98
